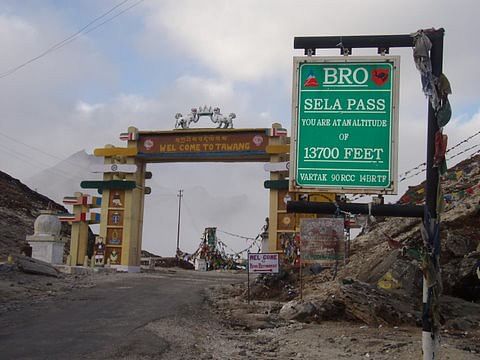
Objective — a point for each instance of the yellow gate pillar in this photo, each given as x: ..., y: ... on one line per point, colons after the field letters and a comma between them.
x: 273, y: 231
x: 122, y: 206
x: 79, y: 234
x: 80, y: 219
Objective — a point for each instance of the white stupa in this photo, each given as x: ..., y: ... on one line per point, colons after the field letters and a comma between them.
x: 46, y: 242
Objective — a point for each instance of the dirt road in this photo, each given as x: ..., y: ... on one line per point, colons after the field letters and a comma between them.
x: 178, y: 314
x: 123, y: 316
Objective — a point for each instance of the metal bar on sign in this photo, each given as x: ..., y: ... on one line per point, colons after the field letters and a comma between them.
x: 359, y: 41
x: 393, y: 210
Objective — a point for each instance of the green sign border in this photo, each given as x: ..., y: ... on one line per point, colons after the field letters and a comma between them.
x: 392, y: 189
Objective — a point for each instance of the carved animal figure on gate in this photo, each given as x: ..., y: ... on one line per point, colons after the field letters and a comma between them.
x: 192, y: 117
x: 223, y: 121
x: 180, y: 122
x: 184, y: 122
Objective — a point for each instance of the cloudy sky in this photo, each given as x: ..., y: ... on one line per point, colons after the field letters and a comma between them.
x: 161, y: 57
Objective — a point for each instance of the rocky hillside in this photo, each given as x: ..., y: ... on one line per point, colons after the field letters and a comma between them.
x: 382, y: 280
x: 19, y: 207
x: 392, y: 247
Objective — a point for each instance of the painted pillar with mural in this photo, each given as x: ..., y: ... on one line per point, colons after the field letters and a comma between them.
x: 123, y: 197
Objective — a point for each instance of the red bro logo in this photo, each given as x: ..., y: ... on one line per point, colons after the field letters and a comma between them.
x: 311, y: 81
x: 380, y: 76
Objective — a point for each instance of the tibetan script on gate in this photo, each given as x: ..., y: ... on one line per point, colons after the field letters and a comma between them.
x: 204, y: 145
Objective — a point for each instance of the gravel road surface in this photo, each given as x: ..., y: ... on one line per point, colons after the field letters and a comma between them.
x: 178, y: 314
x: 123, y: 316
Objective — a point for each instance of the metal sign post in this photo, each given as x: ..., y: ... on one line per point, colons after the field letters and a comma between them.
x: 383, y: 43
x: 248, y: 277
x: 180, y: 195
x: 301, y: 276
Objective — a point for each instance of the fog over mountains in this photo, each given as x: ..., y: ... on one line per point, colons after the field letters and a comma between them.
x: 229, y: 196
x: 64, y: 178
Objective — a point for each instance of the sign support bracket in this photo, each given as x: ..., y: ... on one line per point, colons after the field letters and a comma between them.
x: 307, y: 207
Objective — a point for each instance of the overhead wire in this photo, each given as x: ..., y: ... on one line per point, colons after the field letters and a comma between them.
x: 464, y: 151
x: 76, y: 165
x: 463, y: 141
x: 219, y: 241
x: 236, y: 235
x: 113, y: 17
x: 473, y: 154
x: 403, y: 176
x: 255, y: 241
x: 74, y: 36
x: 28, y: 160
x: 450, y: 158
x: 448, y: 150
x: 237, y: 252
x: 42, y: 165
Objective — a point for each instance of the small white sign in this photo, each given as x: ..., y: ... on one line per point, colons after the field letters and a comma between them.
x: 276, y: 167
x: 263, y: 263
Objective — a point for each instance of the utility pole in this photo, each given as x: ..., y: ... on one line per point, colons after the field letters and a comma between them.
x: 180, y: 195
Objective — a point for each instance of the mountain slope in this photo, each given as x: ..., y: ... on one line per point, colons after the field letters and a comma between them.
x: 393, y: 246
x: 64, y: 178
x: 19, y: 207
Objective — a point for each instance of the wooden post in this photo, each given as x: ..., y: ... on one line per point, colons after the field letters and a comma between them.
x: 300, y: 267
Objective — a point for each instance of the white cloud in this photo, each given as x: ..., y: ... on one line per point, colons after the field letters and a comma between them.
x: 208, y: 88
x: 36, y: 100
x: 19, y: 37
x: 10, y: 28
x: 251, y: 42
x: 265, y: 115
x: 84, y: 108
x: 251, y: 39
x: 233, y: 54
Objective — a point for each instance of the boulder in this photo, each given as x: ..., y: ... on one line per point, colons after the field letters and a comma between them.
x: 330, y: 309
x: 298, y: 310
x: 459, y: 314
x: 34, y: 266
x: 373, y: 306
